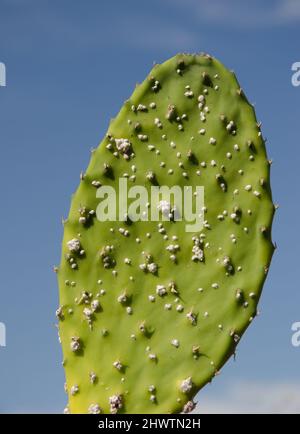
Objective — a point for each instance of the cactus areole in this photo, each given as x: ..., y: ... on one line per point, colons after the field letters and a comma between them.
x: 149, y: 313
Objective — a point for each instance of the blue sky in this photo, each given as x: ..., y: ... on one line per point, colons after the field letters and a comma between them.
x: 70, y: 65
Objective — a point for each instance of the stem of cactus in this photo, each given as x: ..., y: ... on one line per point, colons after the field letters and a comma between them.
x: 149, y: 313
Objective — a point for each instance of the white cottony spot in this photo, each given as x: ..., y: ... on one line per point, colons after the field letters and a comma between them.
x: 94, y: 409
x: 186, y: 385
x: 152, y: 356
x: 93, y: 377
x: 74, y: 390
x: 74, y: 245
x: 115, y: 402
x: 175, y: 343
x: 164, y: 207
x: 118, y: 365
x: 75, y: 344
x: 152, y: 267
x: 190, y: 405
x: 192, y: 318
x: 161, y: 290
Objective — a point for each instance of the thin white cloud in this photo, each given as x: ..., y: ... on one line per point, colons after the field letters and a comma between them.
x: 241, y: 14
x: 289, y: 10
x: 249, y: 397
x: 132, y: 29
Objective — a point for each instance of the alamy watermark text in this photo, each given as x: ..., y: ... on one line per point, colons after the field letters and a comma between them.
x: 164, y: 203
x: 2, y: 74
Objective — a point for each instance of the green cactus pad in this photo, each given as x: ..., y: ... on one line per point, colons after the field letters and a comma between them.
x: 149, y: 313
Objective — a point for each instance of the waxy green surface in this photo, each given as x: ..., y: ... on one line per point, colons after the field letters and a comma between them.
x: 238, y: 218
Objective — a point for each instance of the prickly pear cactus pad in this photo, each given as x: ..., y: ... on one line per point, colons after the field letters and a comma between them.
x: 149, y: 312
